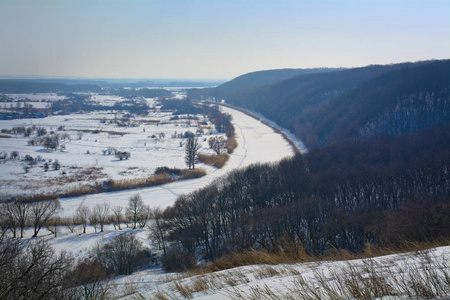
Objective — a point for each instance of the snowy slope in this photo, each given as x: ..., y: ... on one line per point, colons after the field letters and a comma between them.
x: 400, y: 274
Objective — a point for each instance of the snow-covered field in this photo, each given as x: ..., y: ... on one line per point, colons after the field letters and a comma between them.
x: 256, y: 143
x: 83, y: 160
x: 151, y: 143
x: 39, y: 97
x: 40, y: 100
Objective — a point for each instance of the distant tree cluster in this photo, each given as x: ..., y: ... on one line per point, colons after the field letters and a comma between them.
x: 143, y: 92
x: 49, y: 141
x: 221, y: 121
x: 180, y: 107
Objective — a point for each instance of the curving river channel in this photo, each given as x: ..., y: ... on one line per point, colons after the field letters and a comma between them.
x: 257, y: 142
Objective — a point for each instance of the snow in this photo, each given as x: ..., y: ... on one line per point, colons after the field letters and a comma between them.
x: 283, y: 280
x: 150, y: 144
x: 297, y: 142
x: 256, y: 143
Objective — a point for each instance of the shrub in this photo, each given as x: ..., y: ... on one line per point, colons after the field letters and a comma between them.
x: 168, y: 171
x: 214, y: 160
x: 90, y: 280
x: 122, y: 255
x: 123, y: 155
x: 178, y: 259
x: 232, y: 144
x: 14, y: 155
x: 193, y: 173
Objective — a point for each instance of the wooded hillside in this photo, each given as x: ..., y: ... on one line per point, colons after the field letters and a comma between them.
x: 377, y: 171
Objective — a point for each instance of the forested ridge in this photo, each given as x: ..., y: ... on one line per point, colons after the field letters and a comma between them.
x: 323, y: 108
x: 377, y: 173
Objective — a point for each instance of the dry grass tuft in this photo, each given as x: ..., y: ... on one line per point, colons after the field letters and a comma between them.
x: 124, y: 184
x: 183, y: 290
x: 253, y: 257
x: 200, y: 284
x: 217, y: 161
x: 265, y: 272
x: 193, y: 173
x: 232, y: 144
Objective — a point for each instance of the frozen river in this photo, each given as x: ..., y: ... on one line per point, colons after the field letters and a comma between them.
x: 256, y: 143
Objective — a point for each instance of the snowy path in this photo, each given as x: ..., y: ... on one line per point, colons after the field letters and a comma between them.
x: 256, y: 143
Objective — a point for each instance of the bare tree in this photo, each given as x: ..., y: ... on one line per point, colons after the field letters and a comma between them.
x: 101, y: 211
x: 90, y: 281
x: 70, y: 223
x: 191, y: 150
x: 117, y: 216
x: 158, y: 230
x: 41, y: 212
x: 134, y: 209
x: 8, y: 222
x: 52, y: 225
x: 51, y: 141
x: 20, y: 211
x: 32, y: 271
x: 82, y: 214
x: 16, y: 214
x: 93, y: 220
x: 144, y: 216
x: 218, y: 144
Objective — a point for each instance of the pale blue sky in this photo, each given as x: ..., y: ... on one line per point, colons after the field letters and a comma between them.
x: 214, y: 39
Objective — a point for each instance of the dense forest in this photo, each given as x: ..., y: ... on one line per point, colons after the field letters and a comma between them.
x: 385, y: 191
x: 377, y: 172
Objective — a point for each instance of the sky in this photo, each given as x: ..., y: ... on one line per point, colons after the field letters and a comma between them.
x: 207, y: 39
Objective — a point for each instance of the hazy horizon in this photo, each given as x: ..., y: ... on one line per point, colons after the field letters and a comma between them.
x: 213, y: 40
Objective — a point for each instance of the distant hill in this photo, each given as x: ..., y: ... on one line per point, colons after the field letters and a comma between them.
x: 260, y: 78
x: 15, y: 86
x: 326, y: 107
x: 253, y: 80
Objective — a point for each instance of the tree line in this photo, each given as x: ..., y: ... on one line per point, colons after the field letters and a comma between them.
x: 18, y: 214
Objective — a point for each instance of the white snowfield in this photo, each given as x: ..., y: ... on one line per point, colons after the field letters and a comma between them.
x: 256, y: 143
